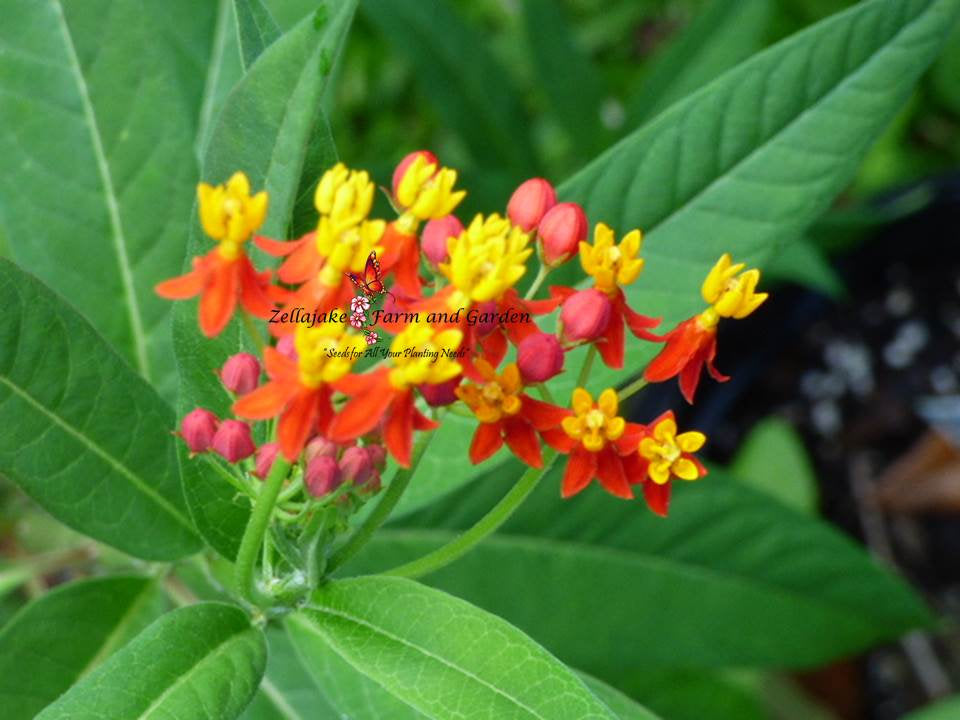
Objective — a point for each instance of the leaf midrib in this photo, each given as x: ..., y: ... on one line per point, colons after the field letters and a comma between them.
x: 109, y: 459
x: 112, y: 206
x: 110, y: 641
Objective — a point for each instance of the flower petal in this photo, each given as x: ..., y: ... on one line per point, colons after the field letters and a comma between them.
x: 486, y: 441
x: 523, y: 441
x: 579, y: 472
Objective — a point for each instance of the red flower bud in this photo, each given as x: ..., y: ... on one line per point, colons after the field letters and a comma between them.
x: 286, y: 347
x: 530, y: 202
x: 356, y: 466
x: 320, y: 447
x: 561, y: 231
x: 486, y: 309
x: 585, y: 315
x: 266, y: 454
x: 440, y: 394
x: 435, y: 235
x: 406, y: 162
x: 378, y: 457
x: 233, y: 441
x: 240, y: 373
x: 539, y: 357
x: 198, y: 428
x: 323, y: 476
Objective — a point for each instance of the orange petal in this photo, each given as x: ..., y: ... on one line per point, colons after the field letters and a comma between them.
x: 253, y: 291
x: 398, y: 432
x: 523, y: 441
x: 486, y: 441
x: 612, y: 477
x: 683, y: 342
x: 558, y: 440
x: 182, y: 287
x: 304, y: 263
x: 422, y: 422
x: 219, y: 297
x: 657, y: 497
x: 610, y: 344
x: 541, y: 415
x: 279, y: 366
x: 690, y: 378
x: 640, y: 324
x: 580, y: 471
x: 266, y: 401
x: 278, y: 248
x: 360, y: 415
x: 296, y: 424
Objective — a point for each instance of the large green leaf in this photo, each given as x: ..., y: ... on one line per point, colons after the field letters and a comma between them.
x: 224, y: 69
x: 287, y: 692
x: 272, y: 128
x: 96, y: 173
x: 256, y: 29
x: 692, y: 695
x: 732, y: 577
x: 202, y: 662
x: 440, y: 655
x: 948, y: 709
x: 622, y: 706
x: 739, y: 166
x: 84, y: 435
x: 57, y: 639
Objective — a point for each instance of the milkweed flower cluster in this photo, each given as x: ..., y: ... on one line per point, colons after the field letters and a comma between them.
x: 443, y: 294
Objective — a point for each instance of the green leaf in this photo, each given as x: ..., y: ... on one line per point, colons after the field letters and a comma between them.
x: 84, y: 436
x: 721, y: 36
x: 201, y: 662
x: 256, y: 29
x: 96, y: 181
x: 692, y: 695
x: 803, y: 261
x: 810, y: 594
x: 223, y: 70
x: 272, y: 128
x: 60, y: 637
x: 773, y: 460
x: 472, y: 92
x: 572, y: 84
x: 945, y: 74
x: 622, y: 706
x: 440, y: 655
x: 948, y: 709
x: 287, y: 692
x: 750, y: 159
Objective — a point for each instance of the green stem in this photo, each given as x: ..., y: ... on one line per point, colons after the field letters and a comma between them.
x: 383, y: 509
x: 257, y: 526
x: 252, y: 331
x: 587, y: 364
x: 488, y: 524
x: 537, y: 281
x: 633, y: 388
x: 545, y: 393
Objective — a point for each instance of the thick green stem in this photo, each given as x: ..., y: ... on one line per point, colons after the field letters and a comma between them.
x: 488, y: 524
x: 256, y: 528
x: 587, y: 364
x: 632, y: 389
x: 383, y: 509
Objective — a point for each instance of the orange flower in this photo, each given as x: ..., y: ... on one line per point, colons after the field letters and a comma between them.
x: 664, y: 455
x: 507, y: 414
x: 228, y: 215
x: 420, y: 355
x: 595, y: 438
x: 299, y: 391
x: 693, y: 343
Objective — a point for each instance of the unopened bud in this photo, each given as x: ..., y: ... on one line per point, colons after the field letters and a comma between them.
x: 585, y: 316
x: 440, y: 394
x: 355, y: 465
x: 488, y: 312
x: 320, y: 447
x: 539, y: 357
x: 530, y: 202
x: 233, y: 441
x: 407, y: 161
x: 435, y: 236
x: 287, y: 348
x: 323, y: 476
x: 561, y: 231
x: 378, y: 457
x: 266, y: 454
x: 198, y: 428
x: 240, y: 373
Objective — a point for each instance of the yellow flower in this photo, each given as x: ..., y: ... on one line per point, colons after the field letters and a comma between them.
x: 594, y: 424
x: 426, y: 192
x: 669, y: 454
x: 316, y: 344
x: 229, y: 214
x: 347, y: 250
x: 495, y: 398
x: 730, y: 292
x: 612, y: 266
x: 486, y: 260
x: 418, y: 356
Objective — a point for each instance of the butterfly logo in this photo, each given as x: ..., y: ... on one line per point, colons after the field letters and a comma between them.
x: 371, y: 284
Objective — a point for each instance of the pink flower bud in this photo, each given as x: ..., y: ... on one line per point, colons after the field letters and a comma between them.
x: 440, y: 394
x: 320, y: 447
x: 378, y: 457
x: 561, y: 231
x: 539, y: 357
x: 486, y: 309
x: 198, y: 428
x: 406, y: 162
x: 530, y: 202
x: 266, y: 454
x: 435, y: 236
x: 323, y: 476
x: 585, y: 315
x: 240, y: 373
x: 233, y: 441
x: 286, y: 347
x: 356, y: 465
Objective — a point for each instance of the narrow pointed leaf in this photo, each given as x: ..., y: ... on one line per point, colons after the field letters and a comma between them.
x: 84, y: 435
x: 440, y: 655
x: 256, y: 29
x: 63, y: 635
x: 202, y: 662
x: 623, y: 707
